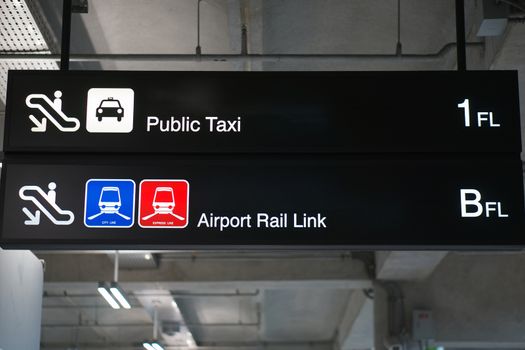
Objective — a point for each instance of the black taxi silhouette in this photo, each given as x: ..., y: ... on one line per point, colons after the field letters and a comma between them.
x: 110, y: 108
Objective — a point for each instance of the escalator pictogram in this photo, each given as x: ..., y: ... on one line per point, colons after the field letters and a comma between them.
x: 51, y: 111
x: 46, y: 204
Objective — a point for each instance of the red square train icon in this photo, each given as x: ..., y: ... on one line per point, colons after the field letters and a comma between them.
x: 164, y: 203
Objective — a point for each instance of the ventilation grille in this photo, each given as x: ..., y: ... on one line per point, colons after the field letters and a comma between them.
x: 21, y: 31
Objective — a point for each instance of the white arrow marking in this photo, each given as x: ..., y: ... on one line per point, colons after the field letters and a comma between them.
x: 40, y: 126
x: 34, y: 219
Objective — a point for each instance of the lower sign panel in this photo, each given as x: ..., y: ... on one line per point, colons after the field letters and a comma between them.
x: 257, y: 202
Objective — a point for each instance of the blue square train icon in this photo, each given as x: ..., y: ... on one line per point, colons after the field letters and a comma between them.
x: 109, y: 203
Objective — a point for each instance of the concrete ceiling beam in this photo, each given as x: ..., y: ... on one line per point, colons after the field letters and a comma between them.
x: 407, y: 265
x: 243, y: 274
x: 189, y: 286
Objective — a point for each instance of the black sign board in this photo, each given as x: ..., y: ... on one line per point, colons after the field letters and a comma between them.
x: 262, y: 112
x: 265, y: 201
x: 262, y: 159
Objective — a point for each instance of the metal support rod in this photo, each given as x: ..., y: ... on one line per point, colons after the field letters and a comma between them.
x: 115, y: 275
x: 460, y: 35
x: 174, y: 295
x: 66, y: 35
x: 399, y: 48
x: 146, y: 325
x: 398, y: 20
x: 198, y: 50
x: 244, y: 40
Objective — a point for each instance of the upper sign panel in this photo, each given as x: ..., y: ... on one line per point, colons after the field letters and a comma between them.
x: 263, y: 112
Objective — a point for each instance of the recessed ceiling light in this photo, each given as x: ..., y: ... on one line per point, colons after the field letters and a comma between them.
x: 105, y: 294
x: 152, y: 346
x: 119, y: 295
x: 147, y: 346
x: 156, y: 346
x: 113, y: 295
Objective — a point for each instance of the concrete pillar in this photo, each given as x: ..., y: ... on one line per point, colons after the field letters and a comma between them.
x: 380, y: 317
x: 21, y: 288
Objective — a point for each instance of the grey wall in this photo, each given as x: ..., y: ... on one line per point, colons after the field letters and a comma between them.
x: 477, y: 299
x: 21, y: 287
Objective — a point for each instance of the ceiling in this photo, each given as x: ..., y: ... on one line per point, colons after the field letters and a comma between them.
x: 210, y: 300
x: 234, y: 300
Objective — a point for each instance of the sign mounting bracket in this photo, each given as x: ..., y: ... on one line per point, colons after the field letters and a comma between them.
x: 66, y: 35
x: 460, y: 36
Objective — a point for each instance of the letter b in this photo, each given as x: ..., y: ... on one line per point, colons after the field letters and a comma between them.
x: 475, y: 202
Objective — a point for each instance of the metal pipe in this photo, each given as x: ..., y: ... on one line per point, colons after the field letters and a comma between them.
x: 155, y: 323
x: 208, y: 346
x: 115, y: 274
x: 460, y: 35
x: 66, y: 35
x: 211, y: 346
x: 84, y: 307
x: 174, y: 295
x: 233, y: 57
x: 514, y: 4
x: 132, y: 325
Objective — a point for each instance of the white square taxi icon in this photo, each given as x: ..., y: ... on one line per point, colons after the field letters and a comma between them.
x: 110, y: 110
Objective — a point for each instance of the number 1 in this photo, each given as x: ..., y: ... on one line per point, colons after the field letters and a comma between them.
x: 466, y: 107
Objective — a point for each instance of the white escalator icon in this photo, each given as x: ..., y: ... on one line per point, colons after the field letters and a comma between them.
x: 52, y: 111
x: 46, y: 203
